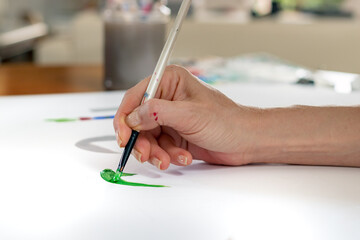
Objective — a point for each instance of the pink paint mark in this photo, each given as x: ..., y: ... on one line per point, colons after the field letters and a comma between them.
x: 156, y: 118
x: 85, y: 118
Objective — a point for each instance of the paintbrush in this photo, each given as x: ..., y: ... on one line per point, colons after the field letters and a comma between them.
x: 155, y: 81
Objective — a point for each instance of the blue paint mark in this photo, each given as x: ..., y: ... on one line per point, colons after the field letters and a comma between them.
x: 103, y: 117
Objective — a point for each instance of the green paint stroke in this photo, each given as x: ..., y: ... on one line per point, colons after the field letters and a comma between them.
x: 112, y: 177
x: 61, y: 120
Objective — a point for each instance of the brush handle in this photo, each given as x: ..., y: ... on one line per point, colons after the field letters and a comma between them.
x: 127, y: 151
x: 166, y: 52
x: 157, y: 75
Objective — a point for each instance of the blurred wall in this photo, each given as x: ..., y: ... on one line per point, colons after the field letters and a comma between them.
x: 52, y: 11
x: 327, y: 44
x: 332, y: 45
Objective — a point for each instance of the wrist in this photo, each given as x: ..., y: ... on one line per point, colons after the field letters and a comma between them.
x: 250, y: 142
x: 305, y: 135
x: 283, y: 135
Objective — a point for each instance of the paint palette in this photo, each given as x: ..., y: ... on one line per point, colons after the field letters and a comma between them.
x: 256, y: 67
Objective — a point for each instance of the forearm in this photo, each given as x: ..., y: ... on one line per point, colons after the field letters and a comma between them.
x: 308, y: 135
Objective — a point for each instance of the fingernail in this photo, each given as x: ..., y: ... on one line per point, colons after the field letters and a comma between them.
x: 133, y: 119
x: 156, y: 162
x: 118, y: 139
x: 136, y: 154
x: 182, y: 159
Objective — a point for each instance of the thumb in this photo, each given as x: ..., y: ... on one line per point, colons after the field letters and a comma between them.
x: 158, y: 112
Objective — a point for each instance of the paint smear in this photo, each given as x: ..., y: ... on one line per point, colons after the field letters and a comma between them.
x: 108, y: 175
x: 61, y: 120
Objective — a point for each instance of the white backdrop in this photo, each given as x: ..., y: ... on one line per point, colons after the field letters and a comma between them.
x: 51, y: 186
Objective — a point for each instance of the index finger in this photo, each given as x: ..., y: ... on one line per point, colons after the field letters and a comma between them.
x: 130, y: 101
x: 172, y: 85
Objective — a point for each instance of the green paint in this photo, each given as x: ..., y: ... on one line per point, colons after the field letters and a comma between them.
x: 61, y: 120
x: 112, y: 177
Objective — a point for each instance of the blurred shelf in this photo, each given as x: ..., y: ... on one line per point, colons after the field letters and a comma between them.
x: 22, y: 79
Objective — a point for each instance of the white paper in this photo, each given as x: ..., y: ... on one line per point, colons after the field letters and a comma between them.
x: 51, y: 186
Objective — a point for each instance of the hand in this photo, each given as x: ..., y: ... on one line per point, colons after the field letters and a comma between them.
x: 186, y: 120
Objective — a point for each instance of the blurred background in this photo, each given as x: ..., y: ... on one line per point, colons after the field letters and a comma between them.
x: 319, y: 34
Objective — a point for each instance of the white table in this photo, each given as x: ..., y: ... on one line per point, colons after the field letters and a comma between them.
x: 51, y: 187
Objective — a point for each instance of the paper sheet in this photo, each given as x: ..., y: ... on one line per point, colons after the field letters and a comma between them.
x: 51, y: 186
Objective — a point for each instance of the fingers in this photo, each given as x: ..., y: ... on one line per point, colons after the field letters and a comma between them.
x: 161, y: 152
x: 159, y: 112
x: 133, y: 96
x: 158, y: 157
x: 122, y: 131
x: 141, y: 150
x: 147, y: 149
x: 130, y: 101
x: 169, y: 110
x: 178, y: 156
x: 172, y: 86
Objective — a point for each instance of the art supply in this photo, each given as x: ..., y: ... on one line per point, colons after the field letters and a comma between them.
x: 133, y: 42
x: 108, y: 175
x: 155, y: 79
x: 79, y: 119
x: 254, y: 67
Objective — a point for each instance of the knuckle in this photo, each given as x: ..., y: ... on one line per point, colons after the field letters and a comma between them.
x: 175, y: 69
x: 152, y: 105
x: 173, y: 75
x: 172, y: 67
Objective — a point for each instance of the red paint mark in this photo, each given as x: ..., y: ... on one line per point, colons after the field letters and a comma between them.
x: 154, y: 114
x: 85, y: 118
x: 156, y: 118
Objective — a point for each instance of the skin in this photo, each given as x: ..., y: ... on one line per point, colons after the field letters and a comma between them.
x: 188, y: 119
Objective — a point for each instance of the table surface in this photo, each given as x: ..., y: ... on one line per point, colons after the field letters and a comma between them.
x: 51, y: 187
x: 21, y: 79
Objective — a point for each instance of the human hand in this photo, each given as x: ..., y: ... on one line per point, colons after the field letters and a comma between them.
x: 186, y: 120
